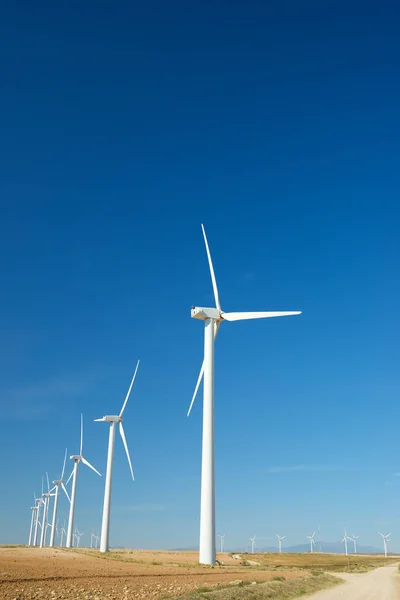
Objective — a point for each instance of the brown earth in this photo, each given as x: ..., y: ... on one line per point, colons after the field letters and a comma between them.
x: 45, y: 574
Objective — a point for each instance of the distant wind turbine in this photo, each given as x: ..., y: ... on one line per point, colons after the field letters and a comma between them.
x: 354, y: 539
x: 46, y: 503
x: 345, y: 538
x: 113, y: 420
x: 77, y: 458
x: 253, y: 543
x: 57, y: 484
x: 385, y: 541
x: 33, y: 517
x: 39, y: 502
x: 222, y: 538
x: 311, y: 538
x: 280, y: 540
x: 78, y: 537
x: 63, y: 532
x: 213, y: 317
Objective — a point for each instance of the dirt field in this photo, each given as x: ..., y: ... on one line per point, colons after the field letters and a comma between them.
x: 41, y: 574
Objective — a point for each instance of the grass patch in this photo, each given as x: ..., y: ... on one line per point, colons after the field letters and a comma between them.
x: 322, y: 562
x: 276, y: 590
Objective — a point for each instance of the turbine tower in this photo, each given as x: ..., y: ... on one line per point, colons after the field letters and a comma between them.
x: 113, y: 420
x: 354, y: 539
x: 385, y: 541
x: 253, y: 543
x: 213, y: 317
x: 222, y: 538
x: 77, y: 458
x: 57, y: 484
x: 311, y: 538
x: 280, y: 540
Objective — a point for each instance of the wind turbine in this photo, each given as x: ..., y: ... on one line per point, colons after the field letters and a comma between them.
x: 222, y: 538
x: 345, y: 538
x: 39, y: 502
x: 113, y: 420
x: 385, y: 541
x: 311, y: 538
x: 78, y: 537
x: 280, y: 540
x: 33, y: 514
x: 77, y: 458
x: 63, y: 532
x: 354, y: 539
x: 58, y: 483
x: 253, y: 543
x: 213, y: 317
x: 46, y: 503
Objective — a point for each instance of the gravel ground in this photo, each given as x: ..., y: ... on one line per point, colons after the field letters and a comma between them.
x: 380, y: 584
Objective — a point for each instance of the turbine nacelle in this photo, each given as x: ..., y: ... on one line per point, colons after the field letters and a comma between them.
x: 76, y: 457
x: 201, y: 313
x: 110, y: 419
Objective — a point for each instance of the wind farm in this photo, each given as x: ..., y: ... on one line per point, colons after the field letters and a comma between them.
x: 45, y: 534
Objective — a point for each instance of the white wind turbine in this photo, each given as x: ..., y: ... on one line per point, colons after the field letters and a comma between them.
x: 46, y: 505
x: 77, y: 458
x: 280, y: 540
x: 57, y: 484
x: 385, y: 541
x: 354, y: 539
x: 39, y: 502
x: 113, y: 420
x: 312, y: 542
x: 63, y: 532
x: 33, y: 517
x: 253, y: 543
x: 213, y: 317
x: 222, y: 538
x: 345, y: 538
x: 78, y: 537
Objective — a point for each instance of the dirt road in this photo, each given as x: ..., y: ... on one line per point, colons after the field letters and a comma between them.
x: 380, y: 584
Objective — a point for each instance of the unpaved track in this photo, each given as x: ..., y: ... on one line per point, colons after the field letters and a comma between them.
x: 380, y: 584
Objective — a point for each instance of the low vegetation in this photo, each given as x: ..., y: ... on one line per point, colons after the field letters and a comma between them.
x: 277, y: 589
x: 322, y: 562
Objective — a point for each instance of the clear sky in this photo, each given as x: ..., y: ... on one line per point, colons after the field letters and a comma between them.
x: 123, y: 127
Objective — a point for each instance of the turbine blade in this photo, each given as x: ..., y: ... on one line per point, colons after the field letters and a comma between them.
x: 98, y: 420
x: 87, y: 463
x: 196, y: 389
x: 243, y: 316
x: 63, y: 469
x: 213, y: 280
x: 122, y: 432
x: 81, y: 447
x: 69, y: 478
x: 48, y: 483
x: 65, y: 491
x: 129, y: 390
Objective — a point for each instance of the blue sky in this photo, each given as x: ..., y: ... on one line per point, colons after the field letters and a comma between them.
x: 123, y: 128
